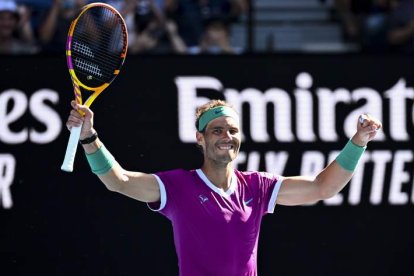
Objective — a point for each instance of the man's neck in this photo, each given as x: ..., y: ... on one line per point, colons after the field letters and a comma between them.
x: 220, y: 176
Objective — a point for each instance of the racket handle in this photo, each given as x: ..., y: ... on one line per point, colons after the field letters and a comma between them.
x: 71, y: 149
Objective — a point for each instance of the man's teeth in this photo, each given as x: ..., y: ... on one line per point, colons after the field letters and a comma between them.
x: 226, y: 147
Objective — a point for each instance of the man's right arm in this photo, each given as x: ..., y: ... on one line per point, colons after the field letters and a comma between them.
x: 137, y: 185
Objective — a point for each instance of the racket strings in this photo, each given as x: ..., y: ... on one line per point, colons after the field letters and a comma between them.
x: 88, y: 67
x: 109, y: 29
x: 81, y: 47
x: 97, y: 44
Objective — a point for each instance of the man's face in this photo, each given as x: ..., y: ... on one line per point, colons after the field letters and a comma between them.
x: 221, y: 140
x: 8, y: 23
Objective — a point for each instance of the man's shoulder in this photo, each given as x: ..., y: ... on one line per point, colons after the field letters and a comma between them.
x: 255, y: 175
x: 248, y: 174
x: 175, y: 173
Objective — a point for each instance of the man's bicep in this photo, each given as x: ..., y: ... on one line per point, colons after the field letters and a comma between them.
x: 297, y: 190
x: 140, y: 186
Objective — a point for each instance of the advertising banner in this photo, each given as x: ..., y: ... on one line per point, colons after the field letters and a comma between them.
x: 298, y: 111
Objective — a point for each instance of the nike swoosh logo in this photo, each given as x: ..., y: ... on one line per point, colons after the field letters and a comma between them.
x: 248, y: 201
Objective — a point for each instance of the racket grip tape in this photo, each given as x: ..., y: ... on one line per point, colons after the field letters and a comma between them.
x: 71, y: 149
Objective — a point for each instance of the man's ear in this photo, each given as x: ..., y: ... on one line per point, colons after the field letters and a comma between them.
x: 199, y: 137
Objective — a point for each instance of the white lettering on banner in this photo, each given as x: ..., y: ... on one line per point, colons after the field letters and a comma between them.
x: 7, y: 168
x: 14, y: 104
x: 253, y: 161
x: 258, y: 118
x: 338, y: 198
x: 328, y: 100
x: 380, y: 158
x: 188, y: 102
x: 398, y: 96
x: 304, y: 108
x: 276, y: 161
x: 355, y: 186
x: 19, y: 104
x: 399, y: 177
x: 388, y: 170
x: 46, y: 115
x: 373, y: 106
x: 314, y: 161
x: 282, y: 102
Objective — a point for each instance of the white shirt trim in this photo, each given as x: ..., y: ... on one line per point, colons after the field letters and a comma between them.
x: 232, y: 188
x: 163, y: 195
x: 272, y: 202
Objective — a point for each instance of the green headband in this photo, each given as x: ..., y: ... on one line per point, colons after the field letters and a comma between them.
x: 214, y: 113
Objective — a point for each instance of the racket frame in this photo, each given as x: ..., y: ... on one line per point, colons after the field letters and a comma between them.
x: 71, y: 148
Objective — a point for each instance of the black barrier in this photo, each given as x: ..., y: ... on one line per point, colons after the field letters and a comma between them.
x: 297, y: 113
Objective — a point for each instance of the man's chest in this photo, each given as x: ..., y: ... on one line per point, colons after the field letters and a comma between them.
x: 207, y: 206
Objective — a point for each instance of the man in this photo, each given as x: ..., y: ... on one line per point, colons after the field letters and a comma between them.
x: 400, y: 33
x: 16, y: 35
x: 216, y: 210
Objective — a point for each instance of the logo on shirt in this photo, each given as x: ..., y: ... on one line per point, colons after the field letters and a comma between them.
x: 203, y: 198
x: 246, y: 202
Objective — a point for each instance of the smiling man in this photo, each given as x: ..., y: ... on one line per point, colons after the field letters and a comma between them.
x: 216, y: 211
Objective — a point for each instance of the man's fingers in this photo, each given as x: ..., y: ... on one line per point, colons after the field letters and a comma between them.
x: 366, y: 121
x: 74, y: 119
x: 84, y: 110
x: 362, y: 119
x: 75, y: 114
x: 81, y: 109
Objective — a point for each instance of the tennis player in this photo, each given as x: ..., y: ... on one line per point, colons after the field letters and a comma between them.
x: 216, y: 211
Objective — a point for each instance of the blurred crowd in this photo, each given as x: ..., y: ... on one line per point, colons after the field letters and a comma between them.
x: 377, y: 25
x: 154, y: 26
x: 194, y: 26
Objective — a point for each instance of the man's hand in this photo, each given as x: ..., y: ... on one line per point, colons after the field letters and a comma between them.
x: 76, y: 119
x: 367, y: 128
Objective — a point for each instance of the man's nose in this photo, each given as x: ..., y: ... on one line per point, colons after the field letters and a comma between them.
x: 227, y: 135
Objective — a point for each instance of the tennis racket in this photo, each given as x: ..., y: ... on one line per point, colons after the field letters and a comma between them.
x: 96, y: 48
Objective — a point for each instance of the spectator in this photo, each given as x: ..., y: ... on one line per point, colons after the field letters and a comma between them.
x: 16, y: 36
x: 153, y: 33
x: 364, y: 22
x: 401, y: 31
x: 215, y: 39
x: 352, y: 14
x: 147, y: 16
x: 190, y: 15
x: 54, y: 27
x: 127, y: 9
x: 374, y: 27
x: 159, y: 40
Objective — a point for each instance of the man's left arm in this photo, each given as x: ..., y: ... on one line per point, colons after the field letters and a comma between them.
x: 298, y: 190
